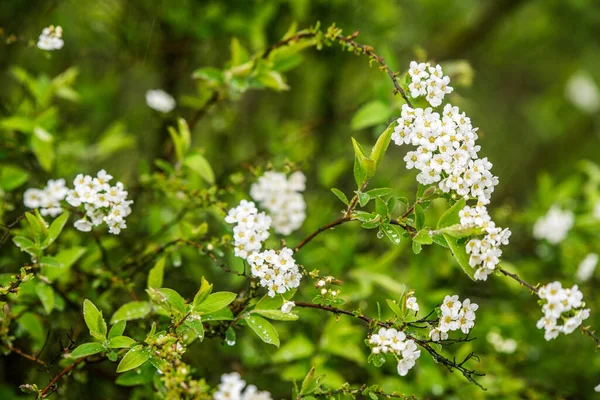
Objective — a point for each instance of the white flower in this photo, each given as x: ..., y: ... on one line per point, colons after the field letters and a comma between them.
x: 411, y: 303
x: 428, y: 81
x: 231, y: 387
x: 50, y: 39
x: 587, y: 267
x: 282, y: 198
x: 597, y: 388
x: 47, y: 199
x: 83, y: 225
x: 554, y: 226
x: 583, y: 92
x: 160, y: 100
x: 251, y: 230
x: 394, y: 341
x: 286, y: 308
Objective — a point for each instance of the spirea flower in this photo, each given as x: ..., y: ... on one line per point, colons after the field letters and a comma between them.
x: 554, y: 226
x: 447, y: 155
x: 395, y: 342
x: 587, y: 267
x: 160, y: 100
x: 232, y: 388
x: 411, y: 303
x: 276, y: 269
x: 102, y: 202
x: 282, y: 197
x: 428, y: 81
x: 446, y: 152
x: 287, y: 307
x: 455, y: 315
x: 47, y: 199
x: 561, y: 305
x: 484, y: 253
x: 50, y: 39
x: 251, y: 230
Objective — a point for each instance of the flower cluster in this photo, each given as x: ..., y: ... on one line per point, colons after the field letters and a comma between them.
x: 50, y: 39
x: 282, y: 198
x: 455, y: 315
x: 428, y: 81
x: 47, y: 199
x: 276, y: 269
x: 160, y: 100
x: 484, y: 253
x: 101, y: 201
x: 394, y: 341
x: 231, y: 387
x: 447, y: 155
x: 554, y: 226
x: 252, y: 228
x: 446, y: 152
x: 561, y: 304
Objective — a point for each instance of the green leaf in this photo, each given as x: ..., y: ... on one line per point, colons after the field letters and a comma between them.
x: 11, y: 177
x: 416, y: 247
x: 363, y: 198
x: 382, y: 143
x: 135, y: 357
x: 263, y: 329
x: 311, y: 382
x: 460, y: 254
x: 379, y: 192
x: 194, y: 322
x: 168, y: 298
x: 372, y: 113
x: 395, y: 308
x: 419, y: 217
x: 23, y: 243
x: 204, y: 291
x: 223, y: 314
x: 56, y: 228
x: 423, y: 237
x: 450, y: 217
x: 94, y: 320
x: 132, y: 310
x: 340, y: 195
x: 117, y: 329
x: 381, y: 207
x: 391, y: 233
x: 87, y: 349
x: 43, y: 148
x: 155, y: 276
x: 277, y: 315
x: 215, y: 302
x: 297, y: 348
x: 46, y: 296
x: 47, y: 261
x: 201, y: 166
x: 121, y: 342
x: 459, y: 231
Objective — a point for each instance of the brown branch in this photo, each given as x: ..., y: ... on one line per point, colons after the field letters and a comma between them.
x: 24, y: 355
x: 330, y: 225
x: 49, y: 389
x: 516, y: 278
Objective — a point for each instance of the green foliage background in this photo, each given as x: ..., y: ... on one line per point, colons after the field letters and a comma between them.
x: 513, y: 59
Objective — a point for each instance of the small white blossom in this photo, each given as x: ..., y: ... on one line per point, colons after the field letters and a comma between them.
x: 428, y: 81
x: 160, y: 100
x: 251, y: 230
x: 286, y: 308
x: 583, y: 92
x: 50, y: 39
x: 554, y: 226
x: 411, y: 303
x: 587, y: 267
x: 282, y: 198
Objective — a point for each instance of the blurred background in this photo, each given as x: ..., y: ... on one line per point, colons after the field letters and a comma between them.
x: 525, y: 71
